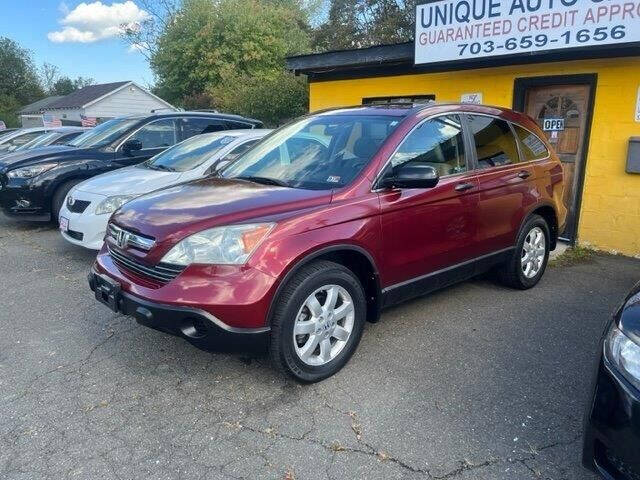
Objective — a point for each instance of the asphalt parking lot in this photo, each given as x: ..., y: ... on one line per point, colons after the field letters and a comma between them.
x: 474, y: 382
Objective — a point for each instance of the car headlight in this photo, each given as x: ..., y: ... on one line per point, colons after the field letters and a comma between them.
x: 624, y: 354
x: 32, y: 171
x: 111, y: 204
x: 232, y: 245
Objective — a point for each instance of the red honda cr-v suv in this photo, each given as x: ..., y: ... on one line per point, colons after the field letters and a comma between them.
x: 330, y: 219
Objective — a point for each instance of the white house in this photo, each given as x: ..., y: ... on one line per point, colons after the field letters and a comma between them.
x: 105, y: 101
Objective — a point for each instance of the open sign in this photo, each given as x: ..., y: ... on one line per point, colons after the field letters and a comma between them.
x: 553, y: 124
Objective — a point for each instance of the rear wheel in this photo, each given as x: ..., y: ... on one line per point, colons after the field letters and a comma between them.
x: 529, y: 260
x: 58, y: 198
x: 318, y: 321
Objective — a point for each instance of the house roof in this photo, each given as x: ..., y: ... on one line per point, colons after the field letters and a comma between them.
x: 81, y: 97
x: 36, y: 107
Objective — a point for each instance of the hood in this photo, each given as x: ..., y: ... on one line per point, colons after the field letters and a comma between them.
x: 172, y: 214
x: 52, y: 153
x: 129, y: 181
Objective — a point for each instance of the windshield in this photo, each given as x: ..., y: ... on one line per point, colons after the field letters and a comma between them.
x: 317, y: 153
x: 189, y: 154
x: 104, y: 133
x: 39, y: 141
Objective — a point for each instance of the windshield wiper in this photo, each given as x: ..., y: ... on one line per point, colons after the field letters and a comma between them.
x: 265, y: 181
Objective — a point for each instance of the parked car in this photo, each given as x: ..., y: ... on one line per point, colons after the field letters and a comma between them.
x: 19, y: 137
x: 35, y: 183
x: 612, y: 428
x: 332, y: 218
x: 86, y: 210
x: 55, y: 136
x: 7, y: 131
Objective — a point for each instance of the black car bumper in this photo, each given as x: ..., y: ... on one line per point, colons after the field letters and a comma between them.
x: 612, y: 430
x: 24, y: 201
x: 196, y: 326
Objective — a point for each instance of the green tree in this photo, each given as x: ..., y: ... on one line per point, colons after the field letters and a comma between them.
x: 19, y: 82
x: 273, y: 98
x: 212, y: 47
x: 65, y: 85
x: 363, y: 23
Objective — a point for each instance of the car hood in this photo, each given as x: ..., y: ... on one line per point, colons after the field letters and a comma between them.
x: 52, y: 153
x: 172, y: 214
x: 129, y: 181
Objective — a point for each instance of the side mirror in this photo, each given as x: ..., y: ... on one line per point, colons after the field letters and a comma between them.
x: 131, y: 145
x: 412, y: 175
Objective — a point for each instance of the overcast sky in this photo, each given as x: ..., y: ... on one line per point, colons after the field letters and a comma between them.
x: 78, y: 37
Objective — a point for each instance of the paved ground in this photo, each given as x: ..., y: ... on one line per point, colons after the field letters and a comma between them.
x: 474, y: 382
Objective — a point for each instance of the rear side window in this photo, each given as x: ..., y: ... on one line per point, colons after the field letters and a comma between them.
x: 196, y: 126
x: 532, y: 147
x: 495, y: 144
x: 232, y: 125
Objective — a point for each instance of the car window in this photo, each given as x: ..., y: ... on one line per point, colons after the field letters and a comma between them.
x: 240, y: 149
x: 66, y: 138
x: 104, y: 133
x: 157, y: 134
x: 532, y: 147
x: 438, y: 142
x: 189, y: 154
x: 42, y: 139
x: 20, y: 140
x: 495, y: 144
x: 196, y: 126
x: 231, y: 125
x: 319, y: 153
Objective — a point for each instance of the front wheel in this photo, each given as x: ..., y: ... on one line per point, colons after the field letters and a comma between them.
x: 529, y: 260
x: 318, y: 321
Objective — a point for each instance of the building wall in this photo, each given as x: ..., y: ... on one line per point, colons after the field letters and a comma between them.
x: 610, y: 213
x: 66, y: 113
x: 129, y: 100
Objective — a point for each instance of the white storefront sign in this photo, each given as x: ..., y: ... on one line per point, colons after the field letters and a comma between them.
x: 448, y: 30
x: 471, y: 98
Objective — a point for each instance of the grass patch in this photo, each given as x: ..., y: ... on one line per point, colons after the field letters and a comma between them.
x: 573, y: 256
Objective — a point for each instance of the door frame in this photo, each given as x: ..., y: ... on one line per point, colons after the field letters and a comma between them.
x: 520, y: 87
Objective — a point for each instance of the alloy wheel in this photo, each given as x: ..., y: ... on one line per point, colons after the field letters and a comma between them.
x: 533, y: 252
x: 323, y: 325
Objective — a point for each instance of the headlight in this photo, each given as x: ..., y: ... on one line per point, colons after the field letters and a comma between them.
x: 230, y: 245
x: 32, y: 171
x: 624, y: 354
x: 111, y: 204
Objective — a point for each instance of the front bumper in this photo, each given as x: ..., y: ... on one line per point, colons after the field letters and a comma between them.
x: 85, y: 229
x: 612, y: 428
x: 24, y: 201
x: 198, y: 327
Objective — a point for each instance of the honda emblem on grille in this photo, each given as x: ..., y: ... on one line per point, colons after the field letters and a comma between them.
x: 70, y: 200
x: 123, y: 238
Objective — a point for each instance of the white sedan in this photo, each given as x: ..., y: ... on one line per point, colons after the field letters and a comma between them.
x: 88, y: 206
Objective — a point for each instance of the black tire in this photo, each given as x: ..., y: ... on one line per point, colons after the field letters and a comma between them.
x: 58, y: 198
x: 511, y: 273
x: 289, y: 302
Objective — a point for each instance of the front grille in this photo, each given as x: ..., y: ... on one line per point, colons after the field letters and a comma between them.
x: 78, y: 206
x: 162, y: 272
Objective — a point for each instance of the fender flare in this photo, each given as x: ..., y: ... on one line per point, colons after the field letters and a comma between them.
x: 312, y: 255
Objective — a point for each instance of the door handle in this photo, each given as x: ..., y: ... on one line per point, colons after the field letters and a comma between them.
x: 524, y: 174
x: 463, y: 187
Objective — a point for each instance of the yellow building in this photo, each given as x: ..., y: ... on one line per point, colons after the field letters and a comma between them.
x: 591, y: 93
